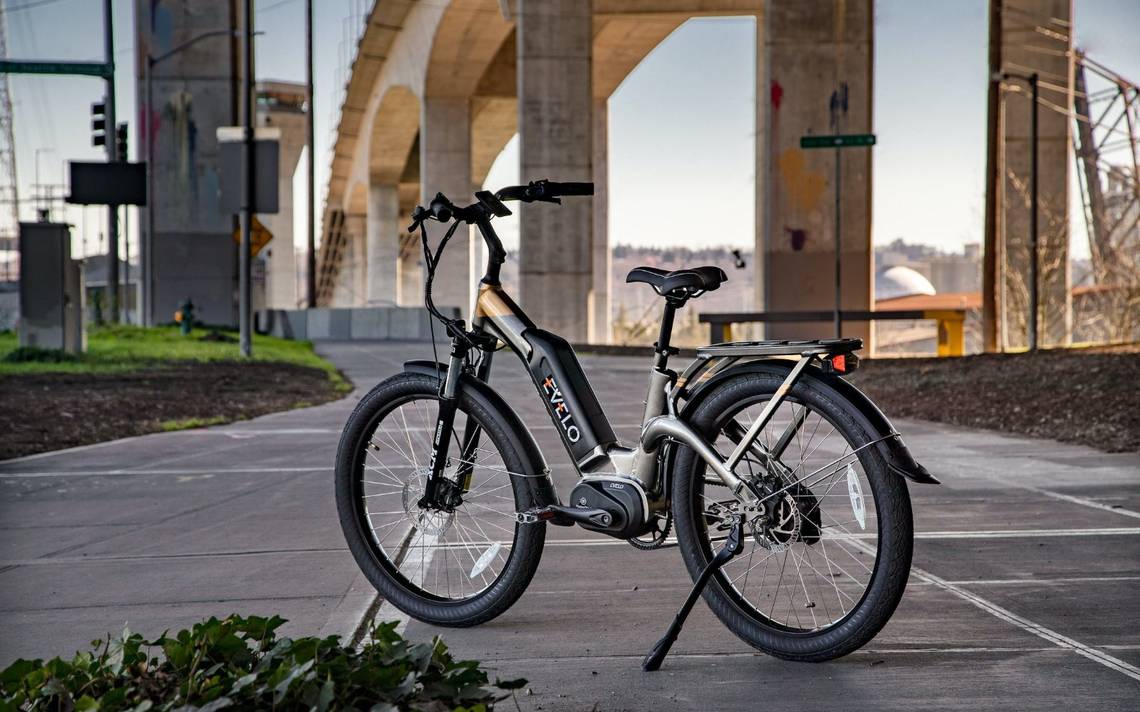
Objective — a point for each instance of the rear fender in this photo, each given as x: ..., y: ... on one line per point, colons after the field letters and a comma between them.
x: 893, y: 449
x: 539, y: 488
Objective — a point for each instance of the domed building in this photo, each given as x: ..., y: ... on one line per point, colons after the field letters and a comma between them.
x: 901, y: 281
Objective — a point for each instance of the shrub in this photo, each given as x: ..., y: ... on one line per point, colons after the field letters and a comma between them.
x: 240, y: 664
x: 34, y: 354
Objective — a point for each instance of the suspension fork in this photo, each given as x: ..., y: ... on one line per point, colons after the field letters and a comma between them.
x: 444, y: 424
x: 472, y: 432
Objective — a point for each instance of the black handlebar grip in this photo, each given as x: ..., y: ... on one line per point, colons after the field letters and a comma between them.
x: 572, y: 188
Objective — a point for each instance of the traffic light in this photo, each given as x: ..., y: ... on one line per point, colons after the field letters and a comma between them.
x: 99, y: 124
x: 121, y: 141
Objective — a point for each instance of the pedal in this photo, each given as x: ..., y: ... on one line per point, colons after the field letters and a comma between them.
x: 562, y: 516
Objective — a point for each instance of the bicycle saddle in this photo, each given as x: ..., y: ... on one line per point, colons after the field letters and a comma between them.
x: 689, y: 279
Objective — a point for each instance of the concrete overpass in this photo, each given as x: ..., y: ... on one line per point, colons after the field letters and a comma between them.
x: 438, y: 88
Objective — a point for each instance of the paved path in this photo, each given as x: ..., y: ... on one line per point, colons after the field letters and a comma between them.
x: 1024, y: 594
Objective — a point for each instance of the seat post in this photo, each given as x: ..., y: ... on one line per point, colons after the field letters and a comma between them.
x: 662, y: 349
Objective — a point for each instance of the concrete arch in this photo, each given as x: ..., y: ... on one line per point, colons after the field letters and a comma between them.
x: 395, y: 125
x: 468, y: 37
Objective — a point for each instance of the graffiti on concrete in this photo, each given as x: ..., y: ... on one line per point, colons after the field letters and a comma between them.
x: 797, y: 236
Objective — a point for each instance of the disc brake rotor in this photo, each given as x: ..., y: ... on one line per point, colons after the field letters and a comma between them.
x: 429, y: 521
x: 781, y: 528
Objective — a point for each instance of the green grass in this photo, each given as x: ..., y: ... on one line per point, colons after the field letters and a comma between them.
x: 131, y: 348
x: 188, y: 423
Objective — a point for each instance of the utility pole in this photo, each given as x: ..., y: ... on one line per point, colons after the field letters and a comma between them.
x: 311, y: 257
x: 248, y: 182
x: 112, y: 157
x: 1033, y: 256
x: 991, y: 275
x: 1032, y: 316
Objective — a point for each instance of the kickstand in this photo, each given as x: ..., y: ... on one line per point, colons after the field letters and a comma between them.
x: 732, y: 546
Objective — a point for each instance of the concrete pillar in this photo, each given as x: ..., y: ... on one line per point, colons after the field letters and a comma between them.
x: 383, y: 245
x: 1049, y: 54
x: 353, y: 276
x: 411, y: 278
x: 601, y: 324
x: 343, y: 284
x: 445, y: 167
x: 815, y: 55
x: 555, y: 117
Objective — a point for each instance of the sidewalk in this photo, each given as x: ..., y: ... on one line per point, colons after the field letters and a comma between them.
x: 1023, y: 596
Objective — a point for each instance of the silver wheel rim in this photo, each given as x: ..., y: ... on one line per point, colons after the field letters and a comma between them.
x: 444, y: 555
x: 787, y: 577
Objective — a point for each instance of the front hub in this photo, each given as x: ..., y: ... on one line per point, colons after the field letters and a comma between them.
x: 427, y: 517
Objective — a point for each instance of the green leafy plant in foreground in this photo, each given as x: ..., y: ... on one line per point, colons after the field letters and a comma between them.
x: 240, y: 664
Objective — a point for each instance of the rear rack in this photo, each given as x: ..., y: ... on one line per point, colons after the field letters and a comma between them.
x: 778, y: 347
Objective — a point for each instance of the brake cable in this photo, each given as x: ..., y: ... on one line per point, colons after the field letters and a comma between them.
x: 455, y: 327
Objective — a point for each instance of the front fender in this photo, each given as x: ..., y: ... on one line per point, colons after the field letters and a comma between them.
x: 539, y: 487
x: 893, y: 449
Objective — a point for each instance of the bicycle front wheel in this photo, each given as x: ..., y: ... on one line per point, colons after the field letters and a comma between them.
x: 828, y: 551
x: 456, y: 567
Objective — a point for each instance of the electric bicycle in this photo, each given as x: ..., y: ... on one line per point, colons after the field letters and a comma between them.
x: 785, y: 484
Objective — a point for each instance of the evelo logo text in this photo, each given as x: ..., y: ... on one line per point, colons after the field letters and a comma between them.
x: 561, y: 412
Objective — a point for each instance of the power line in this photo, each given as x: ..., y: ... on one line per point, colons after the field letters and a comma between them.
x: 267, y: 8
x: 30, y: 6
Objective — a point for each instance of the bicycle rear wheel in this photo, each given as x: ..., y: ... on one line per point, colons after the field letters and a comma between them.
x: 828, y: 554
x: 457, y: 567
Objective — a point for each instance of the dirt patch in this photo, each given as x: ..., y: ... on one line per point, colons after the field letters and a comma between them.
x: 1086, y: 397
x: 44, y: 412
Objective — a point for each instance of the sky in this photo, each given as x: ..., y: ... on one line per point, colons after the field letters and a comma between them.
x: 681, y: 125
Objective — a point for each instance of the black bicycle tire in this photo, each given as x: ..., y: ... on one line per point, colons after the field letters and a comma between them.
x: 526, y: 551
x: 892, y: 502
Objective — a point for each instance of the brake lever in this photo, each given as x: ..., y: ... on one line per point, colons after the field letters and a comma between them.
x: 418, y: 216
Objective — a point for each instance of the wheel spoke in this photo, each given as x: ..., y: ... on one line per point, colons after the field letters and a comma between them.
x: 454, y: 554
x: 795, y: 581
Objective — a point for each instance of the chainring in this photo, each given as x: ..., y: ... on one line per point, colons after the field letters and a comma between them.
x: 662, y: 525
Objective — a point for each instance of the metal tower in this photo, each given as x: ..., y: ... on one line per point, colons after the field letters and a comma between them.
x: 1107, y: 147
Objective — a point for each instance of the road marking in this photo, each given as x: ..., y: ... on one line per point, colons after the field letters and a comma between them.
x: 1017, y: 533
x: 1061, y: 641
x: 1082, y: 501
x: 1064, y: 579
x: 1072, y: 499
x: 78, y: 448
x: 862, y: 652
x: 122, y: 473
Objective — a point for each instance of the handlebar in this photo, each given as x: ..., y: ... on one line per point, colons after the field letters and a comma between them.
x: 491, y: 204
x: 487, y: 206
x: 544, y: 190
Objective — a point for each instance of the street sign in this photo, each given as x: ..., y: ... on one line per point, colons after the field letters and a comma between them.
x: 89, y: 69
x: 94, y: 183
x: 845, y: 141
x: 266, y: 158
x: 259, y: 237
x: 837, y: 142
